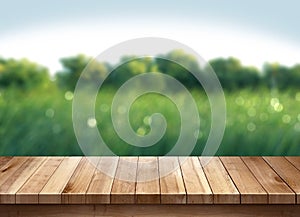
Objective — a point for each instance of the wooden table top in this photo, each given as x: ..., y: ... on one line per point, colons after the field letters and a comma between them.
x: 224, y: 180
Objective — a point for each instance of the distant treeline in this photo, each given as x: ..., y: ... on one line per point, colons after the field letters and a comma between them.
x: 232, y: 74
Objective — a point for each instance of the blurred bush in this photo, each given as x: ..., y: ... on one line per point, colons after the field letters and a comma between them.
x: 22, y: 74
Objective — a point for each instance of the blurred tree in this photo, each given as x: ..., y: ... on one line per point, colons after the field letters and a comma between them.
x: 176, y: 69
x: 277, y: 76
x: 295, y: 76
x: 128, y: 67
x: 22, y: 74
x: 73, y: 68
x: 233, y: 75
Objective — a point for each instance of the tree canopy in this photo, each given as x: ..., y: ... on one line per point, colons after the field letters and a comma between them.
x: 230, y: 71
x: 22, y: 74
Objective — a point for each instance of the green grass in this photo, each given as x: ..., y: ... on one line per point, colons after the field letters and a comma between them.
x: 259, y: 122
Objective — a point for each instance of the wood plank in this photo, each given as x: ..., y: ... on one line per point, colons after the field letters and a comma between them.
x: 123, y: 189
x: 287, y: 171
x: 8, y: 210
x: 29, y: 192
x: 75, y: 190
x: 149, y: 210
x: 10, y: 187
x: 277, y: 189
x: 8, y: 169
x: 220, y: 182
x: 197, y: 188
x: 51, y: 192
x: 38, y: 210
x: 70, y: 180
x: 295, y: 161
x: 250, y: 189
x: 101, y: 183
x: 171, y: 182
x: 4, y: 160
x: 147, y: 186
x: 186, y: 210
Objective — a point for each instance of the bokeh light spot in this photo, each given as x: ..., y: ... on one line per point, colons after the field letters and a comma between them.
x: 91, y: 122
x: 50, y: 113
x: 286, y: 119
x: 251, y: 127
x: 68, y: 95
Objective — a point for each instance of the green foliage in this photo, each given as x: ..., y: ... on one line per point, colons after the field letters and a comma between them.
x: 22, y: 74
x: 36, y: 123
x: 281, y: 77
x: 72, y: 69
x: 176, y: 69
x: 128, y: 67
x: 258, y: 123
x: 294, y: 80
x: 233, y: 75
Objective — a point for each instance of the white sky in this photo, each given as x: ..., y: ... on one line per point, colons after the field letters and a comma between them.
x: 46, y: 44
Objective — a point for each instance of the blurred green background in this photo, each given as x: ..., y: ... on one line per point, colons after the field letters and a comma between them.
x: 36, y: 108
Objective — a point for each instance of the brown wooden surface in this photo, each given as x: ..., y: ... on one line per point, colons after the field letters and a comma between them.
x: 147, y: 186
x: 197, y: 188
x: 138, y: 210
x: 171, y: 183
x: 288, y: 172
x: 154, y: 180
x: 222, y: 186
x: 101, y: 183
x: 29, y: 192
x: 52, y: 191
x: 4, y: 160
x: 278, y: 191
x: 123, y: 190
x: 14, y: 182
x: 75, y: 190
x: 250, y: 189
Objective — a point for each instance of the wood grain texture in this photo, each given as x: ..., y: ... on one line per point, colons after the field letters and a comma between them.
x: 114, y: 180
x: 101, y: 183
x: 10, y: 167
x: 171, y: 182
x: 287, y: 171
x: 10, y: 187
x: 75, y: 190
x: 187, y: 210
x: 29, y: 192
x: 197, y: 188
x: 250, y: 189
x: 295, y: 161
x: 147, y: 186
x: 277, y: 189
x: 51, y: 192
x: 222, y: 186
x: 123, y: 189
x: 149, y: 210
x: 4, y: 160
x: 54, y: 210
